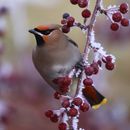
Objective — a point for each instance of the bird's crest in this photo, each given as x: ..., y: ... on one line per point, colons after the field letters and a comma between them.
x: 42, y: 27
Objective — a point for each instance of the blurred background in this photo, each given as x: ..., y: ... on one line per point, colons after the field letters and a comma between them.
x: 24, y: 96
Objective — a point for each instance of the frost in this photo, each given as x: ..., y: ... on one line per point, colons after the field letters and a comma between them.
x: 92, y: 37
x: 75, y: 123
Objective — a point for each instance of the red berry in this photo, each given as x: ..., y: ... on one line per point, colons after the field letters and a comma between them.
x: 63, y: 21
x: 114, y: 26
x: 84, y: 107
x: 86, y: 13
x: 95, y: 67
x: 74, y: 2
x: 89, y: 71
x: 66, y: 81
x: 108, y: 59
x: 62, y: 81
x: 125, y: 22
x: 88, y: 82
x: 77, y: 101
x: 65, y: 29
x: 117, y: 17
x: 66, y: 103
x: 54, y: 118
x: 82, y: 3
x: 70, y: 21
x: 109, y: 66
x: 49, y: 113
x: 72, y: 112
x: 124, y: 8
x: 62, y: 126
x: 64, y: 89
x: 57, y: 95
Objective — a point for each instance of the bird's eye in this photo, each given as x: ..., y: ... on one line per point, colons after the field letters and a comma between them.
x: 47, y: 32
x: 44, y: 32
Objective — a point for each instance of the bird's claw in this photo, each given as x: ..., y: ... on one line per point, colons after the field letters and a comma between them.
x: 80, y: 65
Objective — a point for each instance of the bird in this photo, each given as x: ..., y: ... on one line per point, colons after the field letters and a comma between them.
x: 55, y: 54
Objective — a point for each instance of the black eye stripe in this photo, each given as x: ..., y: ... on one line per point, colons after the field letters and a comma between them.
x: 45, y: 32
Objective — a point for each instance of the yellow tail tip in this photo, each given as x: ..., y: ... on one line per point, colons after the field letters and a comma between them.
x: 104, y: 101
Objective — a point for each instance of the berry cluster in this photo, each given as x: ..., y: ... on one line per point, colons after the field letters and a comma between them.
x: 118, y: 18
x: 71, y: 108
x: 108, y: 62
x: 53, y: 117
x: 63, y: 83
x: 82, y: 4
x: 69, y: 21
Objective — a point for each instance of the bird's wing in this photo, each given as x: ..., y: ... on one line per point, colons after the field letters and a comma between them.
x: 71, y: 41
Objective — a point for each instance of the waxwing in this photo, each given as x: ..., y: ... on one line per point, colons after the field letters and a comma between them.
x: 55, y: 55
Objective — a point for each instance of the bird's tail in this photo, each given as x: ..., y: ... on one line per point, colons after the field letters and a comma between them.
x: 94, y: 98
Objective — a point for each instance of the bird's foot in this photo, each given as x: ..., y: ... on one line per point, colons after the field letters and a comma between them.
x: 80, y: 65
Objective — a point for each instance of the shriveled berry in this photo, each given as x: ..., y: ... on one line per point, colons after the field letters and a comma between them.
x: 65, y: 15
x: 73, y: 112
x: 89, y: 71
x: 77, y: 101
x: 57, y: 95
x: 124, y: 8
x: 82, y: 3
x: 86, y: 13
x: 117, y: 17
x: 54, y: 118
x: 49, y: 113
x: 84, y: 107
x: 65, y: 29
x: 99, y: 63
x: 70, y: 21
x: 114, y: 26
x: 62, y: 126
x: 88, y: 82
x: 109, y: 66
x: 74, y: 2
x: 66, y: 103
x: 125, y: 22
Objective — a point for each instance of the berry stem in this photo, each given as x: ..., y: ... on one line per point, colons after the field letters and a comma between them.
x: 80, y: 84
x: 90, y: 28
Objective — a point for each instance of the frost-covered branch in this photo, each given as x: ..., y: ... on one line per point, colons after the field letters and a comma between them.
x: 86, y: 95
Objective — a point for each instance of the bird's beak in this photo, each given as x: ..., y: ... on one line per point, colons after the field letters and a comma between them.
x: 35, y: 32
